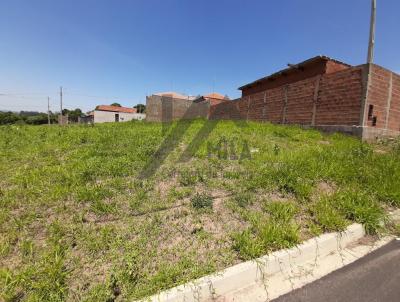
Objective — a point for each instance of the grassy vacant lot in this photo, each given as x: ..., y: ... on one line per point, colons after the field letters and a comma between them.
x: 103, y: 213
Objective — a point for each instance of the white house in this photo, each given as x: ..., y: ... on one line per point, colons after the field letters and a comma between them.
x: 108, y: 113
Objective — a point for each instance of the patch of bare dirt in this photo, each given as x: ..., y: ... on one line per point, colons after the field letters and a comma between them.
x: 325, y: 188
x: 323, y: 142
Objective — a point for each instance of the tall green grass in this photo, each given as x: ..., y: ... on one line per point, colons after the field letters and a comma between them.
x: 78, y: 222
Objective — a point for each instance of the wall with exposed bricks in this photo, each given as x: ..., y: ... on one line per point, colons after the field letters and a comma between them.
x: 166, y: 109
x: 384, y: 97
x: 362, y: 100
x: 328, y: 99
x: 339, y: 98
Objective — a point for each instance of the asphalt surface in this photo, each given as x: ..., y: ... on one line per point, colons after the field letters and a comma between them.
x: 375, y: 277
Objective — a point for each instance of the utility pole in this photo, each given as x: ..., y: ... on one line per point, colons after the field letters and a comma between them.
x: 61, y: 100
x: 371, y: 43
x: 48, y: 110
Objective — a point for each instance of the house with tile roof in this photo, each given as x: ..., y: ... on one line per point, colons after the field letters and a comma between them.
x: 213, y: 98
x: 168, y: 106
x: 109, y: 113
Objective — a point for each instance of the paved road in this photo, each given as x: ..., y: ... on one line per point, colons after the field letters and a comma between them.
x: 375, y: 277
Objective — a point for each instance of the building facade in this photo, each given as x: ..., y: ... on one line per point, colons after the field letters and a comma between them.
x: 322, y: 93
x: 166, y: 107
x: 108, y: 114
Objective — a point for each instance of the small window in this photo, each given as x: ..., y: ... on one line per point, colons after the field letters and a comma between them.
x: 117, y: 117
x: 370, y: 112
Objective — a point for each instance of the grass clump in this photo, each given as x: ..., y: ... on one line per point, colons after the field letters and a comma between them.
x: 267, y: 234
x: 281, y: 211
x: 243, y: 199
x: 247, y: 245
x: 361, y: 207
x: 328, y: 216
x: 264, y: 237
x: 397, y: 229
x: 335, y: 212
x: 202, y: 201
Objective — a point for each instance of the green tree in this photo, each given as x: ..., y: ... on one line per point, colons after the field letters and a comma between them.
x: 74, y: 115
x: 116, y: 104
x: 7, y: 118
x: 37, y: 119
x: 140, y: 108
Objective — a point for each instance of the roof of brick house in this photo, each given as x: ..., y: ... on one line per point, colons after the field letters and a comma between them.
x: 115, y: 109
x: 213, y: 98
x: 301, y: 68
x: 175, y: 95
x: 216, y: 96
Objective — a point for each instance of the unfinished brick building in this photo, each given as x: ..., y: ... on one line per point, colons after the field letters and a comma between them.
x: 323, y: 93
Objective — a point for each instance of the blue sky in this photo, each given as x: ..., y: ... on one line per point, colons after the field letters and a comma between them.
x: 122, y: 50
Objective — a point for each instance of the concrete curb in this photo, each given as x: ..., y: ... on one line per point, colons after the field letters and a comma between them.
x: 395, y: 216
x: 256, y: 272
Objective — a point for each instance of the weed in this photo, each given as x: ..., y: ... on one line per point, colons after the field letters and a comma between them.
x: 281, y: 211
x: 265, y: 237
x: 178, y: 193
x: 243, y: 199
x: 201, y: 201
x: 397, y: 229
x: 27, y: 248
x: 247, y: 245
x: 101, y: 207
x: 327, y: 216
x: 314, y: 228
x: 361, y: 207
x: 92, y: 193
x: 188, y: 177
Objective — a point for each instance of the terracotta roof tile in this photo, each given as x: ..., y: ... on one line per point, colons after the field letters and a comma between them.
x: 302, y: 64
x: 175, y: 95
x: 215, y: 95
x: 115, y: 109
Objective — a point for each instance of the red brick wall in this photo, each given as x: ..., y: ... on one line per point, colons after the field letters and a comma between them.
x: 394, y: 116
x: 378, y: 95
x: 164, y: 109
x: 338, y: 96
x: 383, y: 96
x: 300, y: 100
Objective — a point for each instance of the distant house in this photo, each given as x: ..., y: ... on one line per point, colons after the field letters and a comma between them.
x: 175, y: 95
x: 108, y: 113
x: 168, y: 106
x: 213, y: 98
